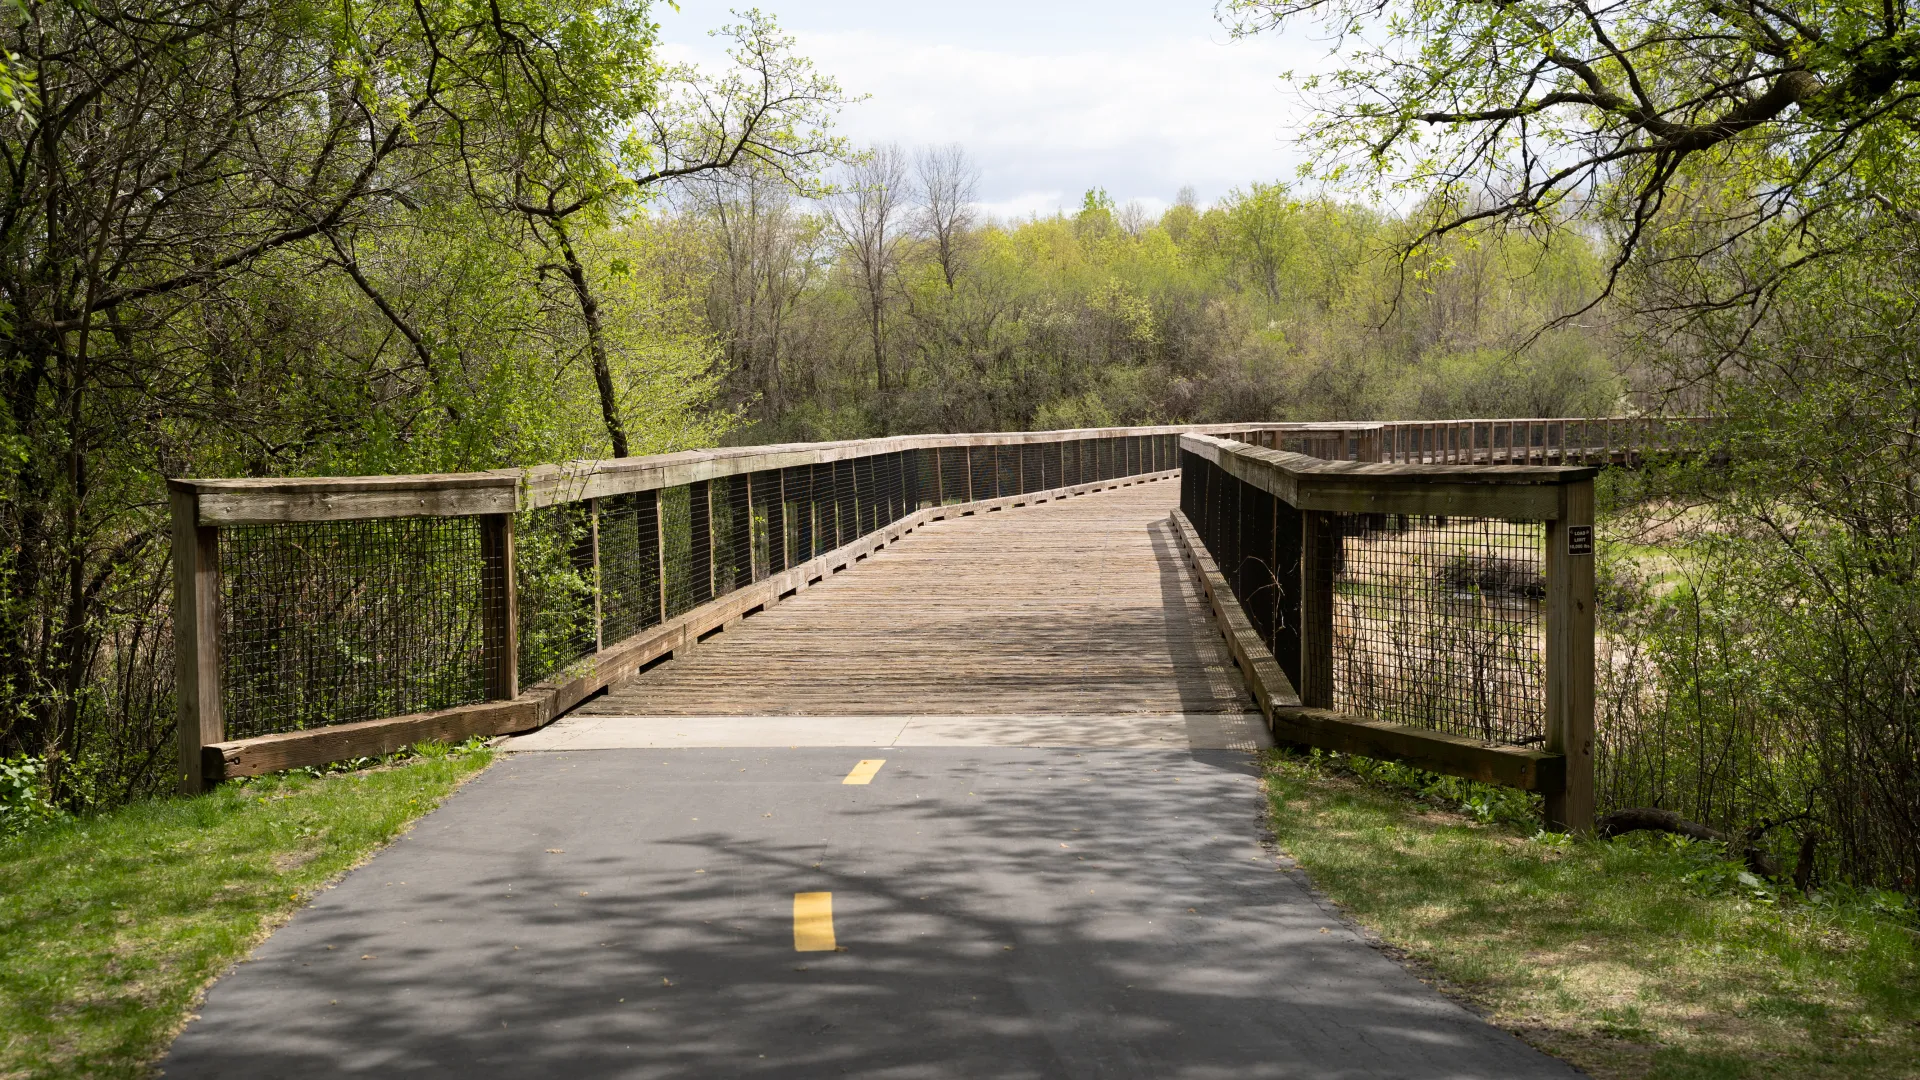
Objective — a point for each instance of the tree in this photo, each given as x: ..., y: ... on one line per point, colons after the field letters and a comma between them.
x: 866, y: 215
x: 1758, y: 120
x: 949, y: 182
x: 770, y: 114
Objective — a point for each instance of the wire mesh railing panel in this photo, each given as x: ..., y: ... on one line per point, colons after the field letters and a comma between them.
x: 954, y: 474
x: 797, y: 512
x: 700, y: 542
x: 676, y: 549
x: 894, y: 474
x: 1032, y: 474
x: 980, y: 472
x: 1439, y: 622
x: 629, y: 565
x: 732, y: 525
x: 554, y: 579
x: 845, y: 504
x: 336, y: 622
x: 769, y: 525
x: 867, y: 491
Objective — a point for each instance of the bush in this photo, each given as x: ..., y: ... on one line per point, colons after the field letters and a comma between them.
x: 23, y: 795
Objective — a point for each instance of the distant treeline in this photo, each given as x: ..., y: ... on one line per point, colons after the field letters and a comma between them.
x: 892, y: 307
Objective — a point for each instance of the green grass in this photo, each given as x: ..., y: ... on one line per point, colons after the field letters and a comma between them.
x: 111, y: 925
x: 1641, y: 957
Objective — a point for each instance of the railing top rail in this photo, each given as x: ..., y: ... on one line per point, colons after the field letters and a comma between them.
x: 1511, y: 492
x: 1303, y: 466
x: 341, y: 498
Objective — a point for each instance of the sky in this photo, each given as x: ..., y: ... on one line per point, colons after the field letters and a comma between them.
x: 1050, y: 97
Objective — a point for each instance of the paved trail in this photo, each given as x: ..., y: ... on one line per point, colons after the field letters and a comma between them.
x: 640, y: 893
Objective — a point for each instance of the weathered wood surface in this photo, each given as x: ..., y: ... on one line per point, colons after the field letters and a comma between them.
x: 1080, y: 607
x: 1514, y: 493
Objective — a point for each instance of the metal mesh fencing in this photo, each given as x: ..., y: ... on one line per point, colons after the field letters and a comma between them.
x: 1440, y: 622
x: 732, y: 525
x: 846, y: 523
x: 676, y: 549
x: 954, y: 474
x: 629, y: 564
x: 554, y: 581
x: 979, y: 473
x: 1436, y: 622
x: 336, y: 622
x: 769, y: 525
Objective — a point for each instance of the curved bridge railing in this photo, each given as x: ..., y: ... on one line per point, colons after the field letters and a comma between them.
x: 322, y: 619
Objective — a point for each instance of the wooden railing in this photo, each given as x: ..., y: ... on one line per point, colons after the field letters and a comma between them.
x: 1435, y: 614
x: 1626, y: 441
x: 323, y: 619
x: 328, y: 618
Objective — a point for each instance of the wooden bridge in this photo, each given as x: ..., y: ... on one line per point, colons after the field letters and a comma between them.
x: 1138, y: 586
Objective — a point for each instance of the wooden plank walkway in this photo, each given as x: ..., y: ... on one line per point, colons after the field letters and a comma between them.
x: 1071, y: 622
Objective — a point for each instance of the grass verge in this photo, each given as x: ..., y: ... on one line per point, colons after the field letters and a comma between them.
x: 111, y: 925
x: 1640, y: 957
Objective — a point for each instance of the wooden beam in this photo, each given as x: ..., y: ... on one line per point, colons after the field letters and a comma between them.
x: 370, y: 738
x: 1435, y: 751
x: 1570, y: 618
x: 196, y: 638
x: 1319, y: 544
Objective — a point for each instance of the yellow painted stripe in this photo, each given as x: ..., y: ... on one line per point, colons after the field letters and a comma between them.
x: 863, y: 772
x: 813, y: 922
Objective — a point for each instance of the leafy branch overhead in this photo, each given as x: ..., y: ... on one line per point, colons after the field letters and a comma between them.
x: 1746, y: 113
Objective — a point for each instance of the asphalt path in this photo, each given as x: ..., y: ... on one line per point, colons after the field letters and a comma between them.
x: 992, y: 912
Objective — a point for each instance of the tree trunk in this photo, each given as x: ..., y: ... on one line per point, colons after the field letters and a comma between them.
x: 596, y: 341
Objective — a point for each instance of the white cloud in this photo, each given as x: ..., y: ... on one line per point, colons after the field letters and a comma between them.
x: 1140, y: 110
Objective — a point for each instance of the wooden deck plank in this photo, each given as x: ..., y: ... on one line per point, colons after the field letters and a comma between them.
x: 1077, y: 607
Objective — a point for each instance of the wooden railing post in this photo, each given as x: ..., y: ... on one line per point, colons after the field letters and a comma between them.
x: 196, y: 637
x: 499, y: 607
x: 1317, y: 556
x: 1569, y: 656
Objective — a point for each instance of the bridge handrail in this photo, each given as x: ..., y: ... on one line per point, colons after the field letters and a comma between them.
x: 1552, y: 440
x: 353, y: 615
x: 324, y: 618
x: 1438, y: 614
x: 269, y: 500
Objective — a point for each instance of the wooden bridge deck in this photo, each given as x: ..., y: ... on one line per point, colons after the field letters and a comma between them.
x: 1068, y: 623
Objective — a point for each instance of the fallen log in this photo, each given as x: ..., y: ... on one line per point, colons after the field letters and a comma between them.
x: 1651, y: 819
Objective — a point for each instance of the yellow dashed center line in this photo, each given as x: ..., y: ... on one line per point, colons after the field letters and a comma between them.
x: 813, y: 922
x: 863, y: 772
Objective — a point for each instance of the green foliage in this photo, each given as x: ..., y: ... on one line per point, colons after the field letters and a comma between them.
x: 111, y: 924
x: 1268, y: 306
x: 1643, y: 956
x: 369, y: 237
x: 1482, y: 802
x: 23, y: 795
